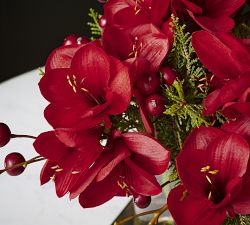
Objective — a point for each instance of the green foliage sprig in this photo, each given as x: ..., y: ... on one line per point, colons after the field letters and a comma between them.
x: 238, y: 220
x: 182, y: 56
x: 94, y: 26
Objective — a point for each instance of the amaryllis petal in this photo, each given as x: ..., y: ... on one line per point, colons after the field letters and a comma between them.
x: 58, y: 116
x: 149, y: 154
x: 189, y: 210
x: 242, y: 201
x: 221, y: 7
x: 148, y: 125
x: 55, y: 87
x: 72, y: 166
x: 61, y: 57
x: 240, y: 126
x: 123, y: 14
x: 200, y: 137
x: 114, y: 48
x: 225, y: 59
x: 183, y: 5
x: 47, y: 172
x: 85, y: 138
x: 189, y: 163
x: 47, y: 145
x: 229, y: 155
x: 85, y: 179
x: 141, y: 181
x: 121, y: 153
x: 230, y: 91
x: 214, y: 24
x: 236, y: 110
x: 159, y: 11
x: 120, y: 86
x: 91, y: 72
x: 100, y: 192
x: 152, y: 44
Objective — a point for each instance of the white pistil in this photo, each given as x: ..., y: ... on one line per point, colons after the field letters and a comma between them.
x: 75, y: 172
x: 208, y: 179
x: 209, y: 195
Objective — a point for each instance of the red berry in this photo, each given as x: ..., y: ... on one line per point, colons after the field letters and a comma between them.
x: 169, y: 75
x: 148, y: 84
x: 5, y: 134
x: 82, y: 40
x: 12, y: 159
x: 142, y: 201
x: 102, y: 21
x: 155, y: 105
x: 70, y: 40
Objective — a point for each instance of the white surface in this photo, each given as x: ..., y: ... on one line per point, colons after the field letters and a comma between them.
x: 22, y: 200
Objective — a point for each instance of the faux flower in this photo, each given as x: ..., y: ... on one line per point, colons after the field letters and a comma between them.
x: 143, y: 41
x: 210, y: 15
x: 214, y: 169
x: 228, y: 60
x: 238, y: 114
x: 142, y: 26
x: 215, y: 172
x: 127, y: 167
x: 129, y: 13
x: 84, y: 85
x: 69, y: 152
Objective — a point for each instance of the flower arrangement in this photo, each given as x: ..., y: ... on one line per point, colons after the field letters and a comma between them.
x: 160, y: 86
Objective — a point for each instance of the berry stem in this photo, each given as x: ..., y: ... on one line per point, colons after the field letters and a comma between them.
x: 22, y: 136
x: 24, y: 164
x: 157, y: 213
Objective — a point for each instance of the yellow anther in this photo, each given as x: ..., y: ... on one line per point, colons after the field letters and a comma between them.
x: 54, y: 167
x: 213, y: 172
x: 52, y: 178
x: 59, y: 170
x: 205, y: 169
x: 122, y: 185
x: 208, y: 179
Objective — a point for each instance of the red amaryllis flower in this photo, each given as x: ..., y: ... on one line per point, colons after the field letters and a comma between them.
x: 142, y: 26
x: 143, y: 41
x: 92, y: 86
x: 214, y: 170
x: 70, y: 152
x: 228, y: 60
x: 239, y: 108
x: 130, y: 13
x: 210, y: 15
x: 238, y: 114
x: 127, y: 166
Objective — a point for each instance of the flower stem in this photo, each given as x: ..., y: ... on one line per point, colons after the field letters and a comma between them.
x: 157, y: 213
x: 24, y: 164
x: 22, y: 136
